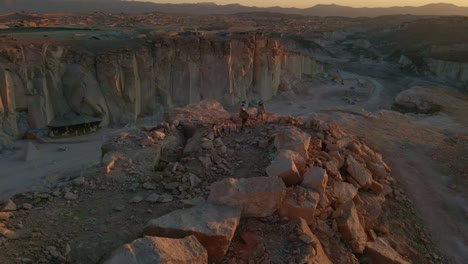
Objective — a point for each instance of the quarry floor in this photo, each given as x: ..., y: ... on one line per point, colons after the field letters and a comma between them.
x: 429, y: 156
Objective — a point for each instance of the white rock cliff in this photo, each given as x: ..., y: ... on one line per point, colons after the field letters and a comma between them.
x: 54, y: 80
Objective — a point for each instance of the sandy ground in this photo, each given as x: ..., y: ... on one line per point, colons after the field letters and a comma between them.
x: 50, y: 165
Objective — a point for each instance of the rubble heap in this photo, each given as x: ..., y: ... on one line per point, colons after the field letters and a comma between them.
x: 318, y: 200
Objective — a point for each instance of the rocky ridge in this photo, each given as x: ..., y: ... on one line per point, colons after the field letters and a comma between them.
x: 331, y: 214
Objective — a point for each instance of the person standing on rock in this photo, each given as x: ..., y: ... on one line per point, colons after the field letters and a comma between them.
x: 261, y: 110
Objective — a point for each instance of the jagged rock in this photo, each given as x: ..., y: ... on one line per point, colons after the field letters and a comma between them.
x: 256, y: 197
x: 376, y: 187
x: 136, y: 199
x: 193, y: 202
x: 79, y: 181
x: 358, y: 172
x: 213, y: 225
x: 292, y: 138
x: 208, y: 145
x: 218, y: 143
x: 55, y: 253
x: 5, y: 215
x: 147, y: 142
x: 300, y: 203
x: 194, y: 180
x: 119, y: 208
x: 156, y: 157
x: 336, y: 155
x: 206, y: 162
x: 284, y: 167
x: 153, y: 198
x: 371, y: 209
x: 381, y: 252
x: 149, y: 186
x: 8, y: 234
x: 152, y: 250
x: 9, y: 206
x: 316, y: 254
x: 377, y: 170
x: 70, y: 196
x: 324, y: 228
x: 27, y: 206
x: 315, y: 178
x: 351, y: 229
x: 159, y: 135
x: 193, y: 143
x: 344, y: 192
x: 332, y: 167
x: 66, y: 251
x: 343, y: 142
x: 166, y: 198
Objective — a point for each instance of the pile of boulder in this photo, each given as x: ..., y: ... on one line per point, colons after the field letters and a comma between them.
x: 6, y: 212
x: 327, y: 185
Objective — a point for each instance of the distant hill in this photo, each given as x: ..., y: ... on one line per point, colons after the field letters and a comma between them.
x: 116, y: 6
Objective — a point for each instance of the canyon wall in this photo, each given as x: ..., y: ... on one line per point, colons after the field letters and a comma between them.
x: 441, y: 69
x: 51, y: 81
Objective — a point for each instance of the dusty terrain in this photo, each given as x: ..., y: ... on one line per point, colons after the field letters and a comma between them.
x: 403, y: 100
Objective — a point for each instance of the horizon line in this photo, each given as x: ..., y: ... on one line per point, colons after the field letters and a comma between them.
x: 305, y: 7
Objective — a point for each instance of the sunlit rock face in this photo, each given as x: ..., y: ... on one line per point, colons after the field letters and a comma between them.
x: 450, y: 70
x: 441, y: 69
x: 119, y: 84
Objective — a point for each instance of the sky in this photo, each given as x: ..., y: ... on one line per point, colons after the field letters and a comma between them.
x: 309, y: 3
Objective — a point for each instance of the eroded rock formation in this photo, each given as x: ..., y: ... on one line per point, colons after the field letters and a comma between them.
x: 119, y: 84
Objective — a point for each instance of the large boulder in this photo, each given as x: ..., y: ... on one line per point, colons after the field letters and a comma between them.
x: 315, y: 178
x: 358, y: 171
x: 379, y: 251
x: 300, y: 203
x: 8, y: 206
x: 155, y: 250
x: 298, y: 160
x: 256, y: 197
x: 284, y: 168
x: 213, y: 225
x: 351, y: 229
x: 293, y: 138
x: 194, y: 143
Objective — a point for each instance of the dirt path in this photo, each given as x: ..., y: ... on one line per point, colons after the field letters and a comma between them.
x: 434, y: 175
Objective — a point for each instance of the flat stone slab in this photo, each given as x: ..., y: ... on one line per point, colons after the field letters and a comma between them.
x: 213, y: 225
x: 358, y: 171
x: 315, y: 178
x: 344, y: 192
x: 256, y: 197
x: 300, y: 202
x: 284, y: 168
x: 155, y: 250
x: 380, y: 251
x: 293, y: 138
x: 351, y: 229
